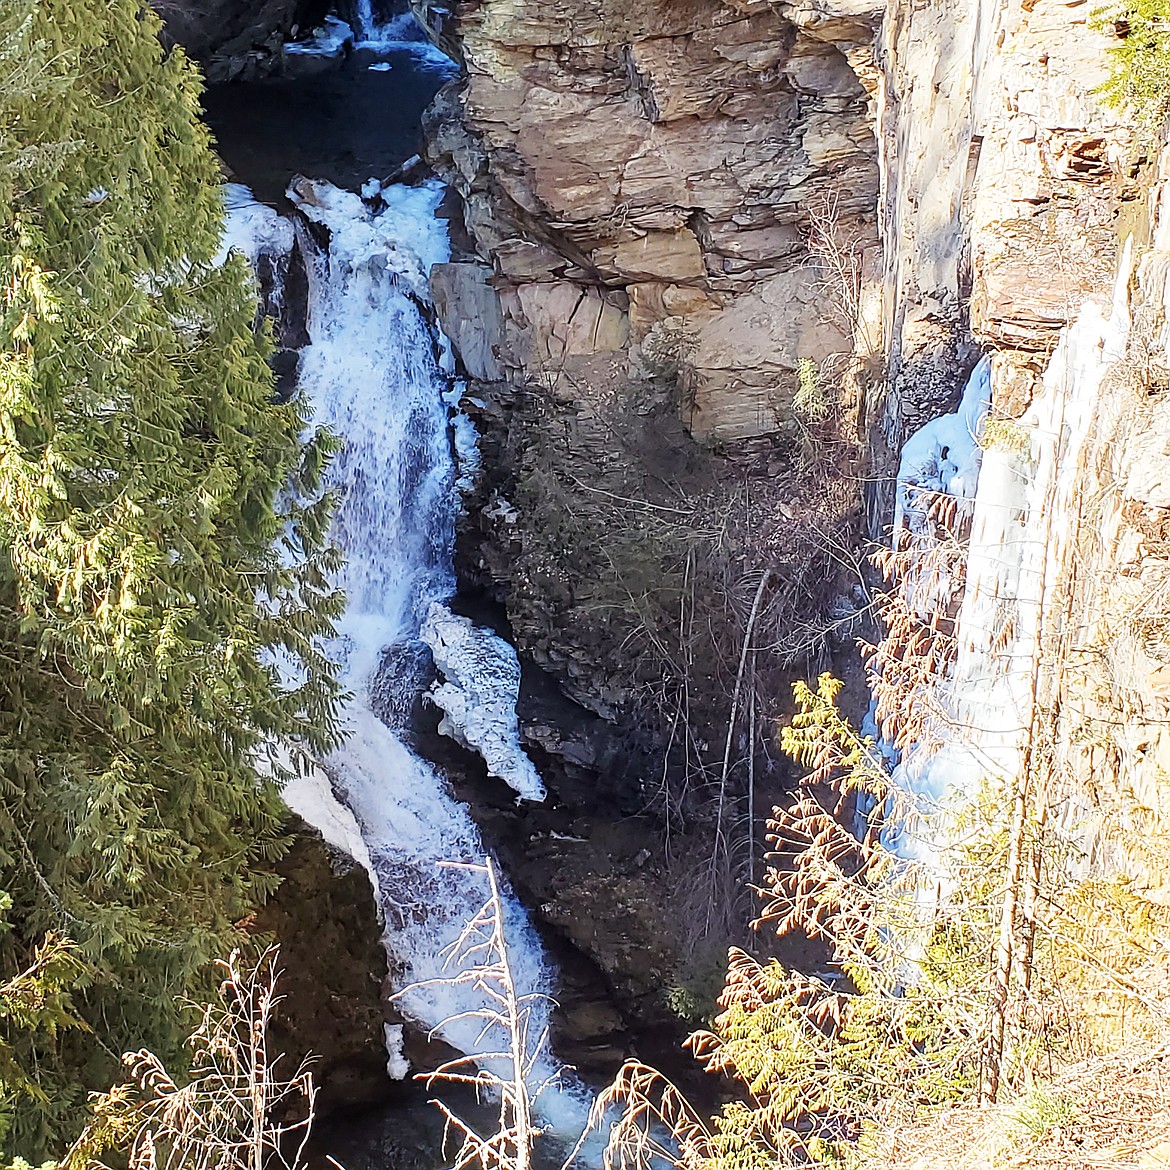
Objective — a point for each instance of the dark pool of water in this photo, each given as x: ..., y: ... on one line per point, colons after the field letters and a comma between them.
x: 344, y: 122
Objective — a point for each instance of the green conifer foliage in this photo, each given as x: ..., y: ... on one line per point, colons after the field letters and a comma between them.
x: 33, y: 1002
x: 148, y: 488
x: 1141, y: 59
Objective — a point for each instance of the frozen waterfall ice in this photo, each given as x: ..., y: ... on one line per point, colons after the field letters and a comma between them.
x: 1020, y: 497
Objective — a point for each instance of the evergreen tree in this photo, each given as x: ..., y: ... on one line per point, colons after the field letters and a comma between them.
x: 155, y: 549
x: 1140, y: 81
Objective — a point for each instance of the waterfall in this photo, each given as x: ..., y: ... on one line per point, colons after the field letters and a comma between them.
x: 374, y: 374
x: 402, y: 32
x: 399, y: 31
x: 367, y: 23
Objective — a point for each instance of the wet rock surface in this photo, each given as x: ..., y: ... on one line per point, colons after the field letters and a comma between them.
x: 203, y: 26
x: 589, y: 868
x: 238, y: 37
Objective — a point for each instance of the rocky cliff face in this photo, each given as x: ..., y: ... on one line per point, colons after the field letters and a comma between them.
x: 1004, y: 181
x: 694, y: 229
x: 639, y: 181
x: 676, y: 208
x: 672, y: 212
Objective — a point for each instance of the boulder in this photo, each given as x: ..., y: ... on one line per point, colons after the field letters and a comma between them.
x: 470, y: 312
x: 205, y: 27
x: 328, y: 928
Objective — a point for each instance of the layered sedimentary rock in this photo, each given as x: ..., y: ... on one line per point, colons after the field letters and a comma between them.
x: 654, y: 196
x: 647, y: 181
x: 639, y: 178
x: 1004, y: 180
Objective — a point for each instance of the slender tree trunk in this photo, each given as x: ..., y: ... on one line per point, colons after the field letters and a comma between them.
x: 522, y: 1107
x: 1005, y: 946
x: 751, y: 793
x: 734, y: 716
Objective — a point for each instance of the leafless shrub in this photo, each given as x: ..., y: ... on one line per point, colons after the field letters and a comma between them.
x: 918, y: 612
x: 232, y: 1111
x: 647, y: 1121
x: 836, y: 252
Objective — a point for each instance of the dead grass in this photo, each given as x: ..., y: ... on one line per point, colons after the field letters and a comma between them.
x: 1110, y: 1112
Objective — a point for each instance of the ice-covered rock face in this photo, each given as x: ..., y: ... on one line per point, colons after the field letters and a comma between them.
x: 944, y: 456
x: 1000, y: 188
x: 481, y: 682
x: 1024, y: 504
x: 253, y: 229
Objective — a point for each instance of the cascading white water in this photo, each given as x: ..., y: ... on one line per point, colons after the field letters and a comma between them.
x: 373, y: 375
x: 367, y: 22
x: 401, y: 32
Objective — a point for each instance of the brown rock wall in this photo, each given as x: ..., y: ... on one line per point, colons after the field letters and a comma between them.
x: 661, y: 159
x: 641, y: 183
x: 1003, y: 174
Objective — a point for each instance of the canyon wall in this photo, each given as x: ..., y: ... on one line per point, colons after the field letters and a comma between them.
x: 1005, y: 184
x: 683, y: 216
x: 638, y: 180
x: 643, y: 181
x: 671, y: 214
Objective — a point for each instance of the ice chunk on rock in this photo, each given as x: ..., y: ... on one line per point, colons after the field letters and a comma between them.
x: 481, y: 682
x: 397, y: 1066
x: 944, y: 455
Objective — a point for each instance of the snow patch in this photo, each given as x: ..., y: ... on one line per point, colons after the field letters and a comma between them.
x: 310, y: 795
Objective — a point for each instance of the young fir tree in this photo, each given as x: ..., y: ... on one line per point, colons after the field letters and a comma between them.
x: 1140, y: 81
x: 147, y: 482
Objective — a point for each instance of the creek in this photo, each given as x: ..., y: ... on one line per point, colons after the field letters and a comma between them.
x: 309, y: 210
